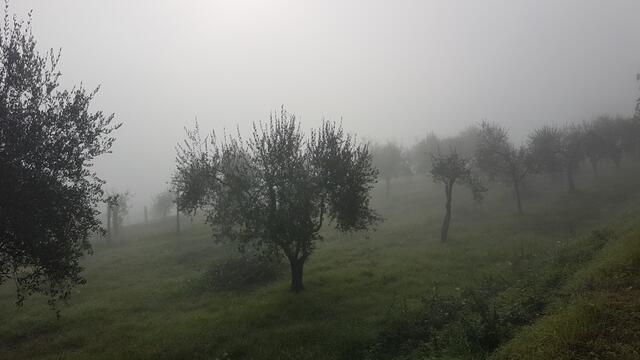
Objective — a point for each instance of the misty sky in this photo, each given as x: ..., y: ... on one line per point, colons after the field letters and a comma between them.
x: 392, y: 69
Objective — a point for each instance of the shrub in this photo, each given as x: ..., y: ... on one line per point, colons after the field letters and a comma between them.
x: 475, y: 322
x: 243, y: 272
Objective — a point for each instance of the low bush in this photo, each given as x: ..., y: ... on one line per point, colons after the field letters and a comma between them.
x: 473, y: 323
x: 243, y: 272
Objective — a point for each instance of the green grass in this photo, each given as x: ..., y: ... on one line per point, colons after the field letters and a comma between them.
x: 144, y: 297
x: 597, y: 315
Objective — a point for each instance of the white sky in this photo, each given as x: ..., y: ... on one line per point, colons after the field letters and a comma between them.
x: 391, y: 69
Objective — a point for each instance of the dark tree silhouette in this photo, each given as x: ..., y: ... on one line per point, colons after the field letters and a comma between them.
x: 49, y: 196
x: 450, y: 169
x: 275, y: 189
x: 501, y: 160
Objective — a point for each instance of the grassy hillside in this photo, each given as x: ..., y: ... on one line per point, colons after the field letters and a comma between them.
x: 598, y: 314
x: 368, y: 293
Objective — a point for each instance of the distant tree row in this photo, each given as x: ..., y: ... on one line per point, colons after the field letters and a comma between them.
x: 275, y: 189
x: 485, y: 153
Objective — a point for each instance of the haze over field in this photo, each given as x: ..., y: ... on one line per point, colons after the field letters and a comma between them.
x: 323, y: 180
x: 391, y: 70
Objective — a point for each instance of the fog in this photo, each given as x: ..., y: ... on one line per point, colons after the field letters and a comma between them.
x: 390, y: 70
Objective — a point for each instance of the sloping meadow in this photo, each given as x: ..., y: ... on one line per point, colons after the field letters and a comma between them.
x: 501, y: 287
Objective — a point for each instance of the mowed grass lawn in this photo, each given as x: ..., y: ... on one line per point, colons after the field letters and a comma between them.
x: 145, y: 297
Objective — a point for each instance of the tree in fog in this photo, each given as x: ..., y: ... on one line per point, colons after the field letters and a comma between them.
x: 594, y: 147
x: 117, y: 211
x: 163, y: 203
x: 636, y: 115
x: 602, y: 142
x: 544, y: 145
x: 465, y: 142
x: 391, y: 163
x: 612, y: 131
x: 572, y: 152
x: 451, y: 169
x: 635, y: 127
x: 628, y: 131
x: 555, y: 149
x: 49, y: 139
x: 420, y: 153
x: 501, y: 160
x: 277, y: 188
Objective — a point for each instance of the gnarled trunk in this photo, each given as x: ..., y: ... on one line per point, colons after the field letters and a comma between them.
x: 516, y: 187
x: 444, y: 233
x: 297, y: 266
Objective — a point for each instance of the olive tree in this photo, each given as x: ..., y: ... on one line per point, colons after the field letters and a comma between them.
x: 556, y: 149
x: 276, y: 189
x: 544, y: 144
x: 501, y: 160
x: 49, y: 194
x: 391, y: 162
x: 163, y: 203
x: 451, y: 169
x: 117, y: 210
x: 609, y: 135
x: 572, y: 152
x: 419, y: 157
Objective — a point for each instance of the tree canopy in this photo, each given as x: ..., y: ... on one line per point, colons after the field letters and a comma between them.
x: 275, y: 189
x: 501, y: 160
x: 163, y: 203
x: 450, y: 169
x: 49, y: 139
x: 391, y: 162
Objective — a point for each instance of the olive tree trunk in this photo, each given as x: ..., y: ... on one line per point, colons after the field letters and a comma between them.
x: 297, y: 266
x: 516, y: 187
x: 444, y: 233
